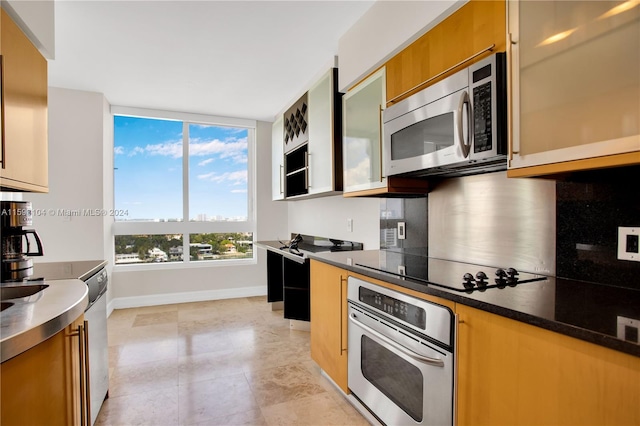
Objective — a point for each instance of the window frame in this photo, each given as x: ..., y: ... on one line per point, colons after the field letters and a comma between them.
x: 187, y: 227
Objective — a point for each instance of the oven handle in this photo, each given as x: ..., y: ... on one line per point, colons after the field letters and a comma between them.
x: 427, y: 360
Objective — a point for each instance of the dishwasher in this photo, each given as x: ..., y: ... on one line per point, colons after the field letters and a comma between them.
x: 96, y: 316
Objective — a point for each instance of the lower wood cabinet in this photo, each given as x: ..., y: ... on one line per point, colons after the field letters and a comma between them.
x: 42, y: 386
x: 512, y: 373
x: 329, y: 321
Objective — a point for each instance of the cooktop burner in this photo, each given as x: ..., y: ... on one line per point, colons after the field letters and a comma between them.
x: 457, y: 276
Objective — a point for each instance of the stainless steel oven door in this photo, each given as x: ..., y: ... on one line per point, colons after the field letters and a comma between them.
x: 403, y: 379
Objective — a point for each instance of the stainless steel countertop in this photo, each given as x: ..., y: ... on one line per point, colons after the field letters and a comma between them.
x: 33, y: 319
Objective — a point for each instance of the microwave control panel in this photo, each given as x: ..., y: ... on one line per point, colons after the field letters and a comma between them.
x: 482, y: 134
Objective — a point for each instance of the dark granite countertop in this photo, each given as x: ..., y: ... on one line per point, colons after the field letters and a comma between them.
x: 580, y: 309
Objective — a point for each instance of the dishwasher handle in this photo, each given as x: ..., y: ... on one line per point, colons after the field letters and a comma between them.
x: 424, y: 359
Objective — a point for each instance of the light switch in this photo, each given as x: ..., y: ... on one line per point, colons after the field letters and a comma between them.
x: 402, y: 231
x: 628, y: 239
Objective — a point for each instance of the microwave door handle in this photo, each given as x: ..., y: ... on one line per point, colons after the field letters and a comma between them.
x: 465, y: 147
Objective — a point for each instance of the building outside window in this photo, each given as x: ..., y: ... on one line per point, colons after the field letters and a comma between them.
x: 183, y: 188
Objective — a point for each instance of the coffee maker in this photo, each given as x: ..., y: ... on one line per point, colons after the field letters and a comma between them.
x: 17, y: 241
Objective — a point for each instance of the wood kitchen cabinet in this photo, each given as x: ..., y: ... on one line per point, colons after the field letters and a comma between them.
x: 23, y: 112
x: 463, y: 37
x: 575, y: 86
x: 42, y: 386
x: 513, y: 373
x: 363, y: 160
x: 329, y: 326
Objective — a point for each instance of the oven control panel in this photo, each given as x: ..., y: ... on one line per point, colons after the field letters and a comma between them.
x: 403, y: 311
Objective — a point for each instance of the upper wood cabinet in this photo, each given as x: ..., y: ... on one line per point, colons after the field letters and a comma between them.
x: 575, y: 85
x: 460, y: 40
x: 23, y: 79
x: 513, y: 373
x: 362, y: 143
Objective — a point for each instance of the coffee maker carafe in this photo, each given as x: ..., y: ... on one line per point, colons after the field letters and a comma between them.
x: 17, y: 242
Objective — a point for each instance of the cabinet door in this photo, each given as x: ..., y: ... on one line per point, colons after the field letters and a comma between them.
x: 512, y: 373
x: 42, y: 385
x: 277, y: 160
x: 463, y: 37
x: 362, y: 134
x: 24, y: 111
x: 575, y: 68
x: 329, y: 321
x: 322, y: 155
x: 275, y: 284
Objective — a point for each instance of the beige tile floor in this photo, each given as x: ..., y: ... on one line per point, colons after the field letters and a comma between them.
x: 225, y: 362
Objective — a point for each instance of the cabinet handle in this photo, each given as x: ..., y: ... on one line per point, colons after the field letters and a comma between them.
x: 85, y: 396
x: 440, y: 74
x: 342, y: 348
x: 307, y: 167
x: 2, y: 111
x: 380, y: 141
x: 87, y: 374
x: 281, y: 174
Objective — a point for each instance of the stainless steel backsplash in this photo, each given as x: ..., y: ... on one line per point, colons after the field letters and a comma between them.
x: 492, y: 220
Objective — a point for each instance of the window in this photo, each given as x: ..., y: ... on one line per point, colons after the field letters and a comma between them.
x: 183, y: 188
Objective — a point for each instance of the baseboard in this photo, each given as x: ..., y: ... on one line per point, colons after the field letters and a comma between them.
x: 186, y: 297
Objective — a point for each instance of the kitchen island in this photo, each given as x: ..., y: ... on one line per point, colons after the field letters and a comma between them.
x: 583, y: 310
x: 544, y: 351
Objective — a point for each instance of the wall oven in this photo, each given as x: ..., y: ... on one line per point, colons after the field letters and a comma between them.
x: 457, y: 126
x: 401, y: 356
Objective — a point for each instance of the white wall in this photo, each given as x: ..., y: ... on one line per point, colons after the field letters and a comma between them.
x: 384, y: 30
x: 76, y: 125
x: 327, y: 217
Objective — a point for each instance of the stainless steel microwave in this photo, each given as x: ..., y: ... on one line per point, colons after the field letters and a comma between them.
x: 457, y: 126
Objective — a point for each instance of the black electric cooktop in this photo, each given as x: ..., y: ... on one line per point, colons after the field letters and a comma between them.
x: 450, y: 275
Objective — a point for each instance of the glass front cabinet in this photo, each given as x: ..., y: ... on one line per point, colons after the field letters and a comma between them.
x: 575, y: 85
x: 362, y: 134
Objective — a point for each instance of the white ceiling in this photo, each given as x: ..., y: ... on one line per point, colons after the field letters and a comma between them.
x: 247, y: 59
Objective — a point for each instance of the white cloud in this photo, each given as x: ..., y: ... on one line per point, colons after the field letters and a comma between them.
x: 205, y: 162
x: 170, y: 149
x: 118, y: 150
x: 135, y: 151
x: 231, y: 148
x: 239, y: 191
x: 236, y: 178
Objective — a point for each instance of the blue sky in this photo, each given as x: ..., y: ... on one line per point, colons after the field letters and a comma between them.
x: 148, y: 179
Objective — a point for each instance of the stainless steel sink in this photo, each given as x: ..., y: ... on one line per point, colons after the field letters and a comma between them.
x: 5, y: 305
x: 19, y: 291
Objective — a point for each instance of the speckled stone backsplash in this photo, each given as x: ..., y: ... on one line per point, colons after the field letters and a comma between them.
x: 589, y: 209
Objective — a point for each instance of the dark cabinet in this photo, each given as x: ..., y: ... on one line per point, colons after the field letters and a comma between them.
x: 296, y: 290
x: 288, y: 281
x: 274, y: 277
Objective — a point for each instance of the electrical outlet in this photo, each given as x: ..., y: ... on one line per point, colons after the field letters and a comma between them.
x: 628, y: 239
x: 349, y: 225
x: 402, y: 230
